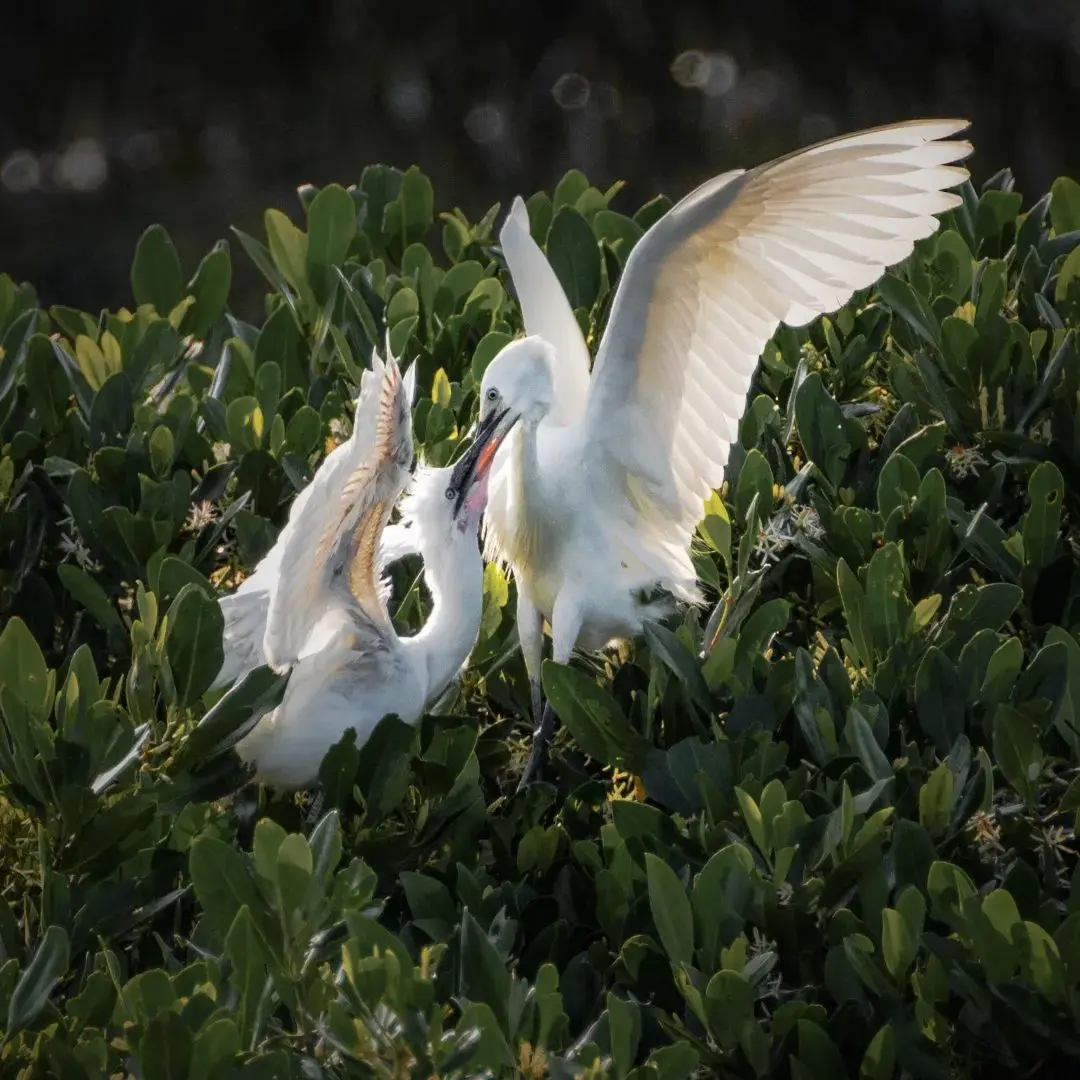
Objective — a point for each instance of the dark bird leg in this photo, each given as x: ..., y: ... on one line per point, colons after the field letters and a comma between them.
x: 541, y: 741
x: 566, y: 620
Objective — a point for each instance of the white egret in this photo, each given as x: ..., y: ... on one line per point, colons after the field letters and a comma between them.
x: 247, y: 610
x: 593, y: 504
x: 327, y: 616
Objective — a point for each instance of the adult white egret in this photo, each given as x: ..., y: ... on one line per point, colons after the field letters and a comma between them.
x: 594, y: 503
x: 327, y: 615
x: 247, y: 643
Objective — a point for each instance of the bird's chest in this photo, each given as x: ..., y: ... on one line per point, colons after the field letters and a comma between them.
x: 542, y: 583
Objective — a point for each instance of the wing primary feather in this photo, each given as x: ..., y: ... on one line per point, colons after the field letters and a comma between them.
x: 347, y: 526
x: 710, y: 283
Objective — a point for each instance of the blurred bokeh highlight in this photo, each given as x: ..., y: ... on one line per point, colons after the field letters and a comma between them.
x: 201, y: 115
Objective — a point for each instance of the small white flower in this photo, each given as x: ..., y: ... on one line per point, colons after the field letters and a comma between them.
x: 986, y: 833
x: 73, y: 546
x: 221, y: 452
x: 772, y: 538
x: 784, y: 892
x: 339, y: 429
x: 200, y: 515
x: 759, y: 943
x: 806, y: 520
x: 964, y: 461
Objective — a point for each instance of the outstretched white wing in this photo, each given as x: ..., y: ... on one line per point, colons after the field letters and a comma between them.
x: 245, y: 611
x: 710, y: 282
x: 336, y: 541
x: 547, y: 312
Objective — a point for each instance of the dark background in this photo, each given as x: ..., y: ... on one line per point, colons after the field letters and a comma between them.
x: 198, y: 115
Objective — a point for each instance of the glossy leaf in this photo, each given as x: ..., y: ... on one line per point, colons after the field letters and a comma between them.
x: 593, y: 717
x: 670, y: 909
x: 575, y: 257
x: 45, y: 970
x: 155, y: 273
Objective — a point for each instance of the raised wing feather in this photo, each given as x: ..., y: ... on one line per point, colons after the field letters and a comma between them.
x: 547, y: 312
x: 246, y: 610
x: 708, y: 285
x: 332, y: 555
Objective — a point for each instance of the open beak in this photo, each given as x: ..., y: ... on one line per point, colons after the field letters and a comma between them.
x: 474, y: 464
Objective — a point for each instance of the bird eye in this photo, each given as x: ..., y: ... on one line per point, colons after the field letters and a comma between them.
x: 451, y: 494
x: 492, y: 394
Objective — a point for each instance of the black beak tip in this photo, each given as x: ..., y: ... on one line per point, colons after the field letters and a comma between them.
x: 462, y: 475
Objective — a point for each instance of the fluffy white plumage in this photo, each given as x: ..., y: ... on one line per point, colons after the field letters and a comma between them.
x: 596, y: 500
x: 348, y: 666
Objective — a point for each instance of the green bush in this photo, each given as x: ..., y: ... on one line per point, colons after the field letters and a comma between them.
x: 824, y: 829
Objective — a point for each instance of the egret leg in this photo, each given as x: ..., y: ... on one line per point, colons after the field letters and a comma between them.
x: 541, y: 740
x: 566, y: 620
x: 530, y: 625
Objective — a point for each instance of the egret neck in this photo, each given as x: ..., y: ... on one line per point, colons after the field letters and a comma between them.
x: 527, y: 480
x: 453, y: 575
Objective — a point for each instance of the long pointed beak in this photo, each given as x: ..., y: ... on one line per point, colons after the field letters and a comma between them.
x: 476, y: 461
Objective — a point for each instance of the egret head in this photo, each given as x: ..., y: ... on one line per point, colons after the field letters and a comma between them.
x: 445, y: 505
x: 520, y: 380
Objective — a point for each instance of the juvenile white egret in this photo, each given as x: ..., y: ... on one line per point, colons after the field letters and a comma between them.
x: 348, y: 666
x: 594, y: 504
x: 250, y: 639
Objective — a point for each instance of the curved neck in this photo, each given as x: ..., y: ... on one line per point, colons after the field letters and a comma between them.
x: 454, y: 575
x: 526, y: 463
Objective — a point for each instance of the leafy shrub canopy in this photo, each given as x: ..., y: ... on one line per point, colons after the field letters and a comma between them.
x: 822, y: 829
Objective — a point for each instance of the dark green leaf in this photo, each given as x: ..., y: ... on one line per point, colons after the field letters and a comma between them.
x: 155, y: 274
x: 89, y: 593
x: 332, y: 226
x: 593, y: 717
x: 166, y: 1048
x: 911, y: 306
x: 1017, y: 750
x: 410, y: 215
x: 679, y: 659
x: 224, y: 884
x: 575, y: 257
x: 861, y: 738
x: 822, y: 428
x: 249, y: 970
x: 45, y: 970
x: 22, y: 667
x: 1046, y: 489
x: 670, y: 909
x: 482, y: 974
x: 210, y: 287
x: 1065, y: 205
x: 215, y: 1045
x: 194, y: 643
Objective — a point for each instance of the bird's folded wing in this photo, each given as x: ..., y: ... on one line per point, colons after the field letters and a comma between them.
x: 708, y: 285
x: 547, y: 312
x: 330, y: 540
